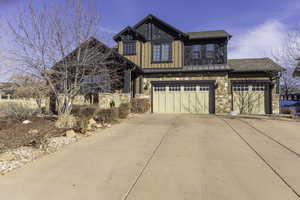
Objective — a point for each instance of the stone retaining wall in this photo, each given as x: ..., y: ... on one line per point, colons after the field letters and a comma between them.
x: 105, y: 99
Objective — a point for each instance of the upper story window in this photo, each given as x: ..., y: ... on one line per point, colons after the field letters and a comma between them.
x: 196, y: 54
x: 162, y: 52
x: 210, y: 51
x: 130, y: 48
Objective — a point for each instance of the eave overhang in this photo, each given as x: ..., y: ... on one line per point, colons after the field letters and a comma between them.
x: 131, y: 31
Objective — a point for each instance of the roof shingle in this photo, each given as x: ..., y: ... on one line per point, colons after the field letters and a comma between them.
x: 254, y: 65
x: 208, y: 34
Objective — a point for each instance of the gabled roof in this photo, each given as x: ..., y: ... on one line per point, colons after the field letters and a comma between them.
x: 254, y: 65
x: 129, y: 29
x: 99, y: 45
x: 152, y: 17
x: 215, y: 34
x: 208, y: 34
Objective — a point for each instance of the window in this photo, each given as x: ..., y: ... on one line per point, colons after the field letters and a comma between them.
x: 96, y: 83
x: 130, y: 48
x: 240, y: 88
x: 258, y: 88
x: 174, y: 88
x: 162, y: 52
x: 159, y: 88
x: 190, y: 88
x: 196, y: 52
x: 210, y: 51
x: 204, y: 88
x: 91, y: 79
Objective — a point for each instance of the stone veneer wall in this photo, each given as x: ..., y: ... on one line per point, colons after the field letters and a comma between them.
x: 223, y: 96
x: 275, y: 101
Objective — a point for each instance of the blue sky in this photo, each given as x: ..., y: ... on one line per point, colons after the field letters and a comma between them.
x: 258, y: 26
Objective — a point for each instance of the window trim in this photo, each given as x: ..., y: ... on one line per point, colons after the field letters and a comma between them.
x: 193, y: 51
x: 125, y: 53
x: 170, y: 43
x: 213, y: 51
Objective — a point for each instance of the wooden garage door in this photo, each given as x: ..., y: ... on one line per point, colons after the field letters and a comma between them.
x: 181, y: 99
x: 249, y: 99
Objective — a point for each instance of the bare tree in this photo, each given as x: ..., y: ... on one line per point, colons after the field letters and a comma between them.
x: 287, y: 57
x: 27, y: 87
x: 248, y: 98
x: 57, y: 46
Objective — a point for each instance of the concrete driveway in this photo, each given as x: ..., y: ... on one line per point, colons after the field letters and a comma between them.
x: 184, y: 157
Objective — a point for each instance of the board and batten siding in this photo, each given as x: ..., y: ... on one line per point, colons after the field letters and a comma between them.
x: 136, y: 59
x: 143, y: 55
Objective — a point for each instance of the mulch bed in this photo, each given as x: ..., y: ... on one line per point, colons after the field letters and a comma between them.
x: 14, y: 134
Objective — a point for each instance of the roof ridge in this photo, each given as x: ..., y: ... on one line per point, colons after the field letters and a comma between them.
x: 250, y: 58
x: 206, y: 31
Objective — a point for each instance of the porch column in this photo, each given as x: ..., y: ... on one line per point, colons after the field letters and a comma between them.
x: 268, y: 99
x: 127, y: 81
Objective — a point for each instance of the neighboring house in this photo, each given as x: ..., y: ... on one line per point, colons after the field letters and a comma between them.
x: 297, y: 70
x: 120, y: 72
x: 7, y: 90
x: 189, y: 72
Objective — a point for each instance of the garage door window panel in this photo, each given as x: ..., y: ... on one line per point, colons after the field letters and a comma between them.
x: 159, y: 88
x: 174, y: 88
x: 190, y: 88
x: 204, y: 88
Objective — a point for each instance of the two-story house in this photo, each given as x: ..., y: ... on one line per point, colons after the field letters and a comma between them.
x: 188, y: 72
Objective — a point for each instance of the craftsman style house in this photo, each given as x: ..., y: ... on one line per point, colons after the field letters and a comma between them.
x: 189, y: 72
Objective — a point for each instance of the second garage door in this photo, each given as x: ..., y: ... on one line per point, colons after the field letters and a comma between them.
x: 249, y: 98
x: 177, y: 98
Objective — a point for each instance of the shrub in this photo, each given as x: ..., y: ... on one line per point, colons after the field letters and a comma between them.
x: 87, y: 111
x: 288, y: 110
x: 285, y: 110
x: 106, y: 115
x: 19, y: 111
x: 66, y: 121
x: 124, y: 110
x: 140, y: 105
x: 81, y: 126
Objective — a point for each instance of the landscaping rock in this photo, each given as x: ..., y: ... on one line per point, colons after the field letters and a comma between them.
x: 89, y: 133
x: 17, y: 158
x: 7, y: 157
x: 26, y: 154
x: 92, y: 122
x: 33, y: 131
x: 99, y: 126
x: 71, y: 134
x: 26, y: 122
x: 54, y: 144
x: 89, y: 128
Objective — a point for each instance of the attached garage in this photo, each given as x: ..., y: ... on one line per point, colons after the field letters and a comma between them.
x: 251, y: 97
x: 183, y: 97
